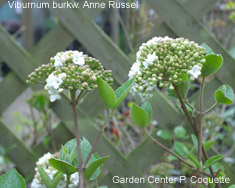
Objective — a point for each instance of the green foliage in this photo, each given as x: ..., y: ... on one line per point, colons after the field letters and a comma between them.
x: 195, y: 141
x: 47, y: 181
x: 113, y: 98
x: 123, y: 91
x: 180, y: 131
x: 212, y: 160
x: 12, y: 179
x: 194, y: 160
x: 165, y: 135
x: 141, y: 115
x: 208, y: 49
x: 212, y: 64
x: 208, y: 144
x: 106, y: 92
x: 68, y: 159
x: 232, y: 186
x: 90, y: 170
x: 224, y: 95
x: 63, y: 166
x: 181, y: 149
x: 39, y: 100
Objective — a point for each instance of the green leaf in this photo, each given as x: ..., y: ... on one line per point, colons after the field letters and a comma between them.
x: 224, y: 95
x: 183, y: 88
x: 212, y: 64
x: 106, y: 92
x: 165, y: 135
x: 208, y: 49
x: 212, y: 160
x: 148, y: 108
x: 63, y: 166
x: 180, y: 132
x: 139, y: 115
x: 123, y: 91
x: 93, y: 167
x: 193, y: 158
x: 232, y: 186
x: 12, y: 179
x: 208, y: 144
x: 39, y: 100
x: 195, y: 141
x: 180, y: 149
x: 46, y: 179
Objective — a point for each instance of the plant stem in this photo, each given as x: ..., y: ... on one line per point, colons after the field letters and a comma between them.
x: 98, y: 138
x: 68, y: 181
x: 77, y: 134
x: 155, y: 141
x: 194, y: 126
x: 211, y: 108
x: 200, y: 115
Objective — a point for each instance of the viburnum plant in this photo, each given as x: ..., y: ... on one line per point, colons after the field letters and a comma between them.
x: 72, y: 75
x: 173, y: 64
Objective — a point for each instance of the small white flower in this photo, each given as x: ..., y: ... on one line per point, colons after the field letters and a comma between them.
x: 54, y: 81
x: 78, y: 58
x: 54, y: 94
x: 135, y: 69
x: 58, y: 62
x: 195, y: 71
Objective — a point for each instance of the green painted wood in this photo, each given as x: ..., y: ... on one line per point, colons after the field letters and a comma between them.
x: 10, y: 88
x: 176, y: 16
x: 61, y: 134
x: 21, y: 155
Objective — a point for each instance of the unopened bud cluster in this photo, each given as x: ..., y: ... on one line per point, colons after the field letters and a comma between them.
x: 165, y: 61
x: 71, y: 70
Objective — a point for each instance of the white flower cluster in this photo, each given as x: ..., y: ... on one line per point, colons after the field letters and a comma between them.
x: 53, y: 85
x: 45, y: 164
x: 69, y: 70
x: 165, y: 61
x: 62, y: 57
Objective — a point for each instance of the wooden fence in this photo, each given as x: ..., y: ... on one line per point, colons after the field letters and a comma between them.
x: 77, y: 24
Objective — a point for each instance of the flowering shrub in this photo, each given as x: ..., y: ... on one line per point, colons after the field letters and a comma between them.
x: 72, y: 74
x: 165, y: 61
x: 170, y: 62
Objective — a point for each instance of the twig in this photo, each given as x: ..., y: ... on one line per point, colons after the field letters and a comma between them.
x: 77, y: 134
x: 98, y: 138
x: 211, y: 108
x: 155, y: 141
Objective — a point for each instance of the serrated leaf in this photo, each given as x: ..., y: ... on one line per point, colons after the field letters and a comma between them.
x: 180, y: 131
x: 165, y: 135
x: 106, y: 92
x: 139, y: 115
x: 195, y: 141
x: 63, y: 166
x: 212, y: 64
x: 12, y: 179
x: 148, y: 108
x: 180, y: 149
x: 193, y: 158
x: 224, y: 95
x: 123, y: 91
x: 208, y: 49
x: 212, y: 160
x: 93, y: 167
